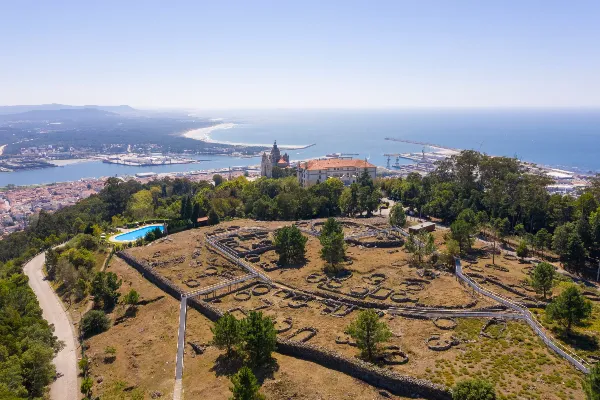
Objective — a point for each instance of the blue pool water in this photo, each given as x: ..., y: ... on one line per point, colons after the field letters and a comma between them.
x: 138, y: 233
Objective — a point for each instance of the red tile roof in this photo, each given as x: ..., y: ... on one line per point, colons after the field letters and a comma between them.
x: 335, y: 163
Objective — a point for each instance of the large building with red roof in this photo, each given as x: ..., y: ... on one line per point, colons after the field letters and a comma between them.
x: 346, y: 169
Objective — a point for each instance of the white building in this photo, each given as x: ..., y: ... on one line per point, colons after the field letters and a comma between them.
x: 346, y: 169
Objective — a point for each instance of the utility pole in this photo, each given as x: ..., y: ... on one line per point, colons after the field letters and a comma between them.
x: 598, y: 273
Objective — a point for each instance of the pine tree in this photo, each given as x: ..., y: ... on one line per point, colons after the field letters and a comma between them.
x: 368, y: 332
x: 245, y: 386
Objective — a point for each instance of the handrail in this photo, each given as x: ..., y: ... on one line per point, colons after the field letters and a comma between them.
x: 573, y: 358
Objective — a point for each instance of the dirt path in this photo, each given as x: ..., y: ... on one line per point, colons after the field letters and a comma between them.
x: 65, y: 387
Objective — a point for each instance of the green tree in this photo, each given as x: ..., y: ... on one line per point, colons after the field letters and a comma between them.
x: 397, y: 216
x: 259, y: 338
x: 141, y: 205
x: 462, y: 232
x: 245, y: 386
x: 217, y: 179
x: 542, y: 278
x: 591, y: 385
x: 94, y: 322
x: 333, y: 246
x: 368, y: 332
x: 84, y: 365
x: 86, y: 386
x: 421, y: 245
x: 213, y: 217
x: 569, y: 308
x: 105, y: 288
x: 290, y: 245
x: 227, y: 333
x: 522, y: 250
x: 519, y: 230
x: 542, y: 240
x: 131, y: 299
x: 473, y: 389
x: 37, y: 368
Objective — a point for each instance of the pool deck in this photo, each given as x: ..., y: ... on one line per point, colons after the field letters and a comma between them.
x: 125, y: 231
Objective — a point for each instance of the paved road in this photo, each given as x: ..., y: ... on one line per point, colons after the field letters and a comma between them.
x: 178, y: 390
x: 65, y: 387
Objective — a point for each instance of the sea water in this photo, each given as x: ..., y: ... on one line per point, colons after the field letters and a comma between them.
x: 559, y: 138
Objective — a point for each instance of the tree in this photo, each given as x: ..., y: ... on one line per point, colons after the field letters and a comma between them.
x: 522, y: 250
x: 259, y: 338
x: 542, y: 278
x: 105, y: 288
x: 141, y: 205
x: 461, y: 231
x: 227, y: 333
x: 37, y: 368
x: 542, y: 240
x: 420, y: 245
x: 569, y: 308
x: 245, y: 386
x: 213, y: 217
x: 290, y: 244
x: 519, y: 230
x: 131, y: 299
x: 368, y: 332
x: 94, y: 322
x: 591, y: 385
x: 86, y: 386
x: 397, y: 216
x: 217, y: 179
x: 473, y: 389
x: 333, y: 246
x: 84, y: 365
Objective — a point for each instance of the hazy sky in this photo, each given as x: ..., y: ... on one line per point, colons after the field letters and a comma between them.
x: 304, y: 53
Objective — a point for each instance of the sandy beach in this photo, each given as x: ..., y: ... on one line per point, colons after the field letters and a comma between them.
x: 203, y: 134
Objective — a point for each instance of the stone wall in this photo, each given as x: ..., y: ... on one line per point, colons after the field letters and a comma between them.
x: 395, y: 383
x: 383, y: 378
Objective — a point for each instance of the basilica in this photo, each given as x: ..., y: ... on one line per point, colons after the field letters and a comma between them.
x: 274, y: 159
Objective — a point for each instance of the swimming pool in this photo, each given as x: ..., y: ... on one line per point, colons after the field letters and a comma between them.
x: 138, y: 233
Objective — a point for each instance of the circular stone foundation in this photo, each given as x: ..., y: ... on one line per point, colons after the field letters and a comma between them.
x: 211, y: 271
x: 445, y: 323
x: 282, y: 326
x: 260, y: 289
x: 360, y: 291
x: 192, y: 283
x: 242, y: 295
x: 436, y: 343
x: 333, y: 284
x: 492, y: 322
x: 315, y: 278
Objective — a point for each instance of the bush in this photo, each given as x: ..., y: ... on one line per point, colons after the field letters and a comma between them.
x: 473, y: 389
x: 94, y: 322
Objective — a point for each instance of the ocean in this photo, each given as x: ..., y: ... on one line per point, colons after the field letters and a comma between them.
x: 565, y: 139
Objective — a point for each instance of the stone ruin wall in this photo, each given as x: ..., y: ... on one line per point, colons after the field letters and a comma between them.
x: 383, y: 378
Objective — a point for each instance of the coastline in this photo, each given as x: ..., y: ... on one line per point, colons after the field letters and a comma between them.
x: 203, y: 134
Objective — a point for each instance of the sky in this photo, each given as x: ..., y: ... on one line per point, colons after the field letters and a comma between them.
x: 301, y: 54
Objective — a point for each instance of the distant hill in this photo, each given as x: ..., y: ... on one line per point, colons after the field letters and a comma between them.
x: 4, y: 110
x: 78, y: 114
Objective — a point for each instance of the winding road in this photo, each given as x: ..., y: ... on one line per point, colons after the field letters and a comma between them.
x: 65, y: 387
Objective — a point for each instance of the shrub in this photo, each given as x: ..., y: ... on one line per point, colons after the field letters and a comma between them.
x: 94, y: 322
x: 473, y: 389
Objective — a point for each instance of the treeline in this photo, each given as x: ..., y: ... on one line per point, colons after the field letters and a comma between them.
x: 505, y: 199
